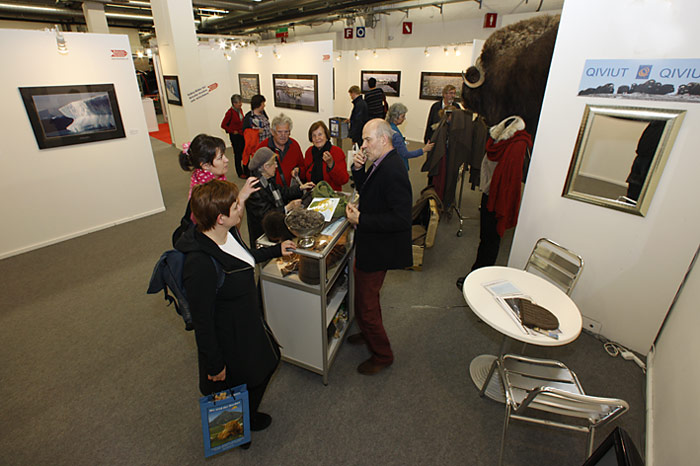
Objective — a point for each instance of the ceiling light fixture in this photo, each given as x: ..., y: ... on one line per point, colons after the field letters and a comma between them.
x: 374, y: 54
x: 446, y: 52
x: 258, y: 52
x: 457, y: 52
x: 339, y: 57
x: 357, y: 57
x: 427, y: 54
x: 139, y: 54
x: 149, y: 53
x: 61, y: 42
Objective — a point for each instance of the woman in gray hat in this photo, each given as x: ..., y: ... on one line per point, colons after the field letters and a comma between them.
x: 270, y: 196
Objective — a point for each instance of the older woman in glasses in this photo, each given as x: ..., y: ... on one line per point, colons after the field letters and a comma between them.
x: 270, y: 196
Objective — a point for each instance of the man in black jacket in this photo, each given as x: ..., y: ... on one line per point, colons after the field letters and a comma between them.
x: 449, y: 93
x: 359, y: 115
x: 383, y: 236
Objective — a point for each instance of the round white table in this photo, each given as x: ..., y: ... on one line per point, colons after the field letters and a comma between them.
x: 484, y: 304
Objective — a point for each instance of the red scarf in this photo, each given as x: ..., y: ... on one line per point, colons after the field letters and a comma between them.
x: 504, y: 193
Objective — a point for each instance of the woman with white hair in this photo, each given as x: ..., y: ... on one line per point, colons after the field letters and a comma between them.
x: 395, y: 117
x: 290, y: 159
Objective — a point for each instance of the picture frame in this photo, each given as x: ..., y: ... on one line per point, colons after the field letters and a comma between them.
x: 296, y: 91
x: 433, y: 82
x: 73, y: 114
x: 249, y: 85
x: 389, y: 81
x: 172, y: 90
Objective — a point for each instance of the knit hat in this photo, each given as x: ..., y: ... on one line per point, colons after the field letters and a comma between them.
x: 260, y: 157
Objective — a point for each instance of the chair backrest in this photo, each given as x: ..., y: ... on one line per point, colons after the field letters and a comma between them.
x: 555, y: 263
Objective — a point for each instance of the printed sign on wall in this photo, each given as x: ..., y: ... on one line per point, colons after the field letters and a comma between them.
x: 360, y: 33
x: 407, y: 27
x: 347, y: 33
x: 655, y: 79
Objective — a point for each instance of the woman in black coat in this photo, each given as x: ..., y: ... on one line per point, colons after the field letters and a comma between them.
x: 270, y: 196
x: 234, y: 343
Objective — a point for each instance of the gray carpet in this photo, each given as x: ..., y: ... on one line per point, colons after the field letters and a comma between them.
x: 94, y: 371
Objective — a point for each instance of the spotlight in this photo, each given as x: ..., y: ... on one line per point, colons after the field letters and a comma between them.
x: 258, y: 52
x: 427, y: 54
x: 149, y: 53
x: 457, y: 52
x: 61, y: 42
x: 374, y: 54
x: 446, y: 52
x: 139, y: 54
x: 222, y: 44
x: 340, y: 55
x: 357, y: 57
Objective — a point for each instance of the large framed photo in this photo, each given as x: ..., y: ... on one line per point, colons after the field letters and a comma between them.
x: 297, y: 91
x: 172, y: 90
x: 66, y: 115
x: 388, y: 81
x: 249, y: 85
x: 433, y: 82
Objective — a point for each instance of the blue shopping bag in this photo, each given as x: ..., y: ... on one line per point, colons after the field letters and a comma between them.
x: 225, y: 420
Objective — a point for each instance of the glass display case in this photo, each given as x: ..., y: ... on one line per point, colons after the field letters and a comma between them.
x: 308, y: 298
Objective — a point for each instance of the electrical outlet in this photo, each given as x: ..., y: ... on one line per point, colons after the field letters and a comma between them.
x: 591, y: 325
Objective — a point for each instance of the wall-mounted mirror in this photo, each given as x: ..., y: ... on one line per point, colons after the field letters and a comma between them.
x: 620, y: 154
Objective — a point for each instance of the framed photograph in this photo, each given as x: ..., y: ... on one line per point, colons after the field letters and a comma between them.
x: 66, y: 115
x: 297, y: 91
x: 432, y: 83
x: 389, y: 81
x: 249, y: 85
x: 172, y: 90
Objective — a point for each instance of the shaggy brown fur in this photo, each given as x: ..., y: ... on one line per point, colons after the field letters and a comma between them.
x: 515, y: 61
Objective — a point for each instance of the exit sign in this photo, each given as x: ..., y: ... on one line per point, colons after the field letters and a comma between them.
x: 282, y: 32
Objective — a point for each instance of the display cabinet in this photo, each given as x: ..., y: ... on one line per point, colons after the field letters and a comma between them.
x: 310, y: 309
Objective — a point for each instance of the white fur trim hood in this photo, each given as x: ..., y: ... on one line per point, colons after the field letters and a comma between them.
x: 507, y: 128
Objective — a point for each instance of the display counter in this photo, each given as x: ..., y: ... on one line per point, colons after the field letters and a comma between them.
x: 309, y: 308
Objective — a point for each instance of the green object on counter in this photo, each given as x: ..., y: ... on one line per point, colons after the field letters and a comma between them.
x: 323, y: 189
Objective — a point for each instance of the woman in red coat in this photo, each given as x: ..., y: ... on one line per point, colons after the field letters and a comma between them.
x: 324, y: 161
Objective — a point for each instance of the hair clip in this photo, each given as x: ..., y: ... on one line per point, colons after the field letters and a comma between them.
x: 186, y: 147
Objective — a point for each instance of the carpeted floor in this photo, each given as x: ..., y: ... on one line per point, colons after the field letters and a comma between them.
x: 94, y: 371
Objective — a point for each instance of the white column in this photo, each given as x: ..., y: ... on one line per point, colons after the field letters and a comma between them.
x: 179, y: 56
x: 95, y: 17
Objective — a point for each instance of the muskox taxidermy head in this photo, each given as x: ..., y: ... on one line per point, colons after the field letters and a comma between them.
x: 510, y: 75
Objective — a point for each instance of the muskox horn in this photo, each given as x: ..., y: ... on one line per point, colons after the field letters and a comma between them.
x: 474, y: 76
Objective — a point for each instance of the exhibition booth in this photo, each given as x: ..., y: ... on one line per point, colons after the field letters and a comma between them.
x: 635, y: 264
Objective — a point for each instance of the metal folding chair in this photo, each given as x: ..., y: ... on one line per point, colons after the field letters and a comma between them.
x: 533, y: 386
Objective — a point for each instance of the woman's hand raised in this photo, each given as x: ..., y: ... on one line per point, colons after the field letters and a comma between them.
x: 250, y: 186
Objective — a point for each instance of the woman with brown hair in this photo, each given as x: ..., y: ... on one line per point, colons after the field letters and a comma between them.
x: 234, y: 343
x: 324, y: 161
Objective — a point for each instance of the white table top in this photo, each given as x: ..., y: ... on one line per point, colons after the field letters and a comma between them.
x: 542, y: 292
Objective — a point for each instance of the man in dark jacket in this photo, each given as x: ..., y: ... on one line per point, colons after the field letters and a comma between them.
x: 383, y: 236
x: 449, y: 93
x: 359, y: 115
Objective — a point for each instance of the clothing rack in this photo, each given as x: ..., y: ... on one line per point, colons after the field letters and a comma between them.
x: 457, y: 206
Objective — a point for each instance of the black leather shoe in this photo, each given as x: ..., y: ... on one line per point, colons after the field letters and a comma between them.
x: 356, y: 339
x: 260, y: 421
x: 460, y: 283
x: 369, y: 367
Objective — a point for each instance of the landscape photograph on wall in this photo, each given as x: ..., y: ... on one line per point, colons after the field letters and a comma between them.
x: 296, y: 91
